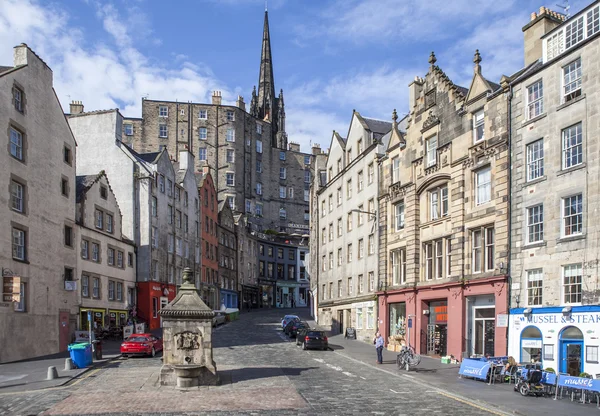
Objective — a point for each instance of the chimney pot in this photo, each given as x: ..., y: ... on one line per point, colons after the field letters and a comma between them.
x: 76, y: 107
x: 216, y: 98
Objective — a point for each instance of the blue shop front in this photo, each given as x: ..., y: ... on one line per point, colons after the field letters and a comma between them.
x: 564, y: 338
x: 229, y: 298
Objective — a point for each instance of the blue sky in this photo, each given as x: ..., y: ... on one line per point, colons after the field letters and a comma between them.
x: 330, y: 56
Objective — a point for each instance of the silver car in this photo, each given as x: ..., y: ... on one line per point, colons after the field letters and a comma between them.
x: 218, y: 319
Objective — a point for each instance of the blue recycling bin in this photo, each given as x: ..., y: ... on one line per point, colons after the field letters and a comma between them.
x: 81, y: 354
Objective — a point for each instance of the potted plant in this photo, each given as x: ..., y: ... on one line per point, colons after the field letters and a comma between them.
x: 585, y: 375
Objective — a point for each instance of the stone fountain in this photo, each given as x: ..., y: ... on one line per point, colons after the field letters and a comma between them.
x: 187, y: 339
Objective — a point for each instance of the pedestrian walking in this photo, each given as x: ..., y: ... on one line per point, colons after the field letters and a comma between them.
x: 378, y: 341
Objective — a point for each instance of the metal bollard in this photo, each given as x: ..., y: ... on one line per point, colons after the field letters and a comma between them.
x: 68, y: 364
x: 52, y: 373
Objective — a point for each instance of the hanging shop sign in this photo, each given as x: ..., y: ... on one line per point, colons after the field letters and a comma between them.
x: 11, y: 289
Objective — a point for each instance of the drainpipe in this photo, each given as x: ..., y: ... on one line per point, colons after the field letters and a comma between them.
x: 509, y: 242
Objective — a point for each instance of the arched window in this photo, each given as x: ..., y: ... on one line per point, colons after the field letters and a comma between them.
x: 531, y: 344
x: 571, y: 332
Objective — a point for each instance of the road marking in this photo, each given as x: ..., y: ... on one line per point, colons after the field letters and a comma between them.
x: 407, y: 376
x: 362, y: 377
x: 320, y: 360
x: 334, y: 367
x: 348, y: 374
x: 400, y: 392
x: 467, y: 402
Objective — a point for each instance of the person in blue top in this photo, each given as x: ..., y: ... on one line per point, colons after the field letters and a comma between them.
x: 378, y: 341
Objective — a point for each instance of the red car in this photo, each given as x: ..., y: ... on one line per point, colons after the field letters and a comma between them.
x: 141, y: 344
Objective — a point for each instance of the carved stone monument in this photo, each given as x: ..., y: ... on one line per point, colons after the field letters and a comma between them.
x: 187, y: 339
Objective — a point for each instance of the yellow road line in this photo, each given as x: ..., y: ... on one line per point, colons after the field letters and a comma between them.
x: 471, y: 404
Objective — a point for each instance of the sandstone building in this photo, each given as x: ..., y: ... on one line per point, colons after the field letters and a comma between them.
x: 444, y: 206
x: 38, y: 254
x: 555, y: 193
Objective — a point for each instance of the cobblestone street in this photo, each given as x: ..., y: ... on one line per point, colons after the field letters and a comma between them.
x: 261, y: 373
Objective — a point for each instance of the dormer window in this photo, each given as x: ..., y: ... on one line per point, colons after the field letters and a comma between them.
x: 478, y: 126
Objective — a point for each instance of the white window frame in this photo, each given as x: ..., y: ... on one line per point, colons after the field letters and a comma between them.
x: 371, y: 244
x: 567, y: 272
x: 535, y: 224
x: 370, y: 173
x: 16, y: 143
x: 163, y: 131
x: 399, y: 210
x: 484, y: 185
x: 202, y: 154
x: 535, y: 159
x: 483, y: 251
x: 282, y: 214
x: 259, y: 188
x: 230, y: 156
x: 572, y: 80
x: 203, y: 114
x: 360, y: 179
x: 535, y: 287
x: 230, y: 136
x: 431, y: 151
x: 478, y: 126
x: 359, y: 318
x: 230, y: 178
x: 230, y: 116
x: 259, y: 147
x: 163, y: 111
x: 535, y: 99
x: 282, y: 192
x: 128, y: 129
x: 19, y: 244
x: 282, y: 173
x: 572, y: 219
x: 572, y: 146
x: 17, y: 193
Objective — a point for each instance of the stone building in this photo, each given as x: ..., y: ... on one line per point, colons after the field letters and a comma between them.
x: 106, y: 259
x: 444, y: 204
x: 346, y: 239
x: 37, y: 250
x: 555, y: 192
x: 245, y: 150
x: 158, y: 200
x: 247, y: 263
x: 209, y: 217
x: 228, y: 263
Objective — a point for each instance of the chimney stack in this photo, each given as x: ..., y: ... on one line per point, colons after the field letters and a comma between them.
x: 240, y: 103
x: 216, y: 98
x: 316, y: 149
x: 294, y: 147
x: 539, y: 24
x: 76, y: 107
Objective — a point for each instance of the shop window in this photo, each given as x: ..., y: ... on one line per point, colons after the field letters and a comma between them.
x: 359, y: 318
x: 531, y: 344
x: 591, y: 354
x: 549, y: 352
x: 370, y: 318
x: 485, y: 326
x: 397, y: 312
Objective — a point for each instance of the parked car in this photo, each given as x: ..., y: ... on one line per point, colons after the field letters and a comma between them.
x: 141, y: 344
x: 218, y: 319
x: 310, y: 338
x: 293, y: 326
x: 286, y: 319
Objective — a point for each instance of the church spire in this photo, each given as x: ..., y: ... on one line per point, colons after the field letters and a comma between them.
x: 266, y: 84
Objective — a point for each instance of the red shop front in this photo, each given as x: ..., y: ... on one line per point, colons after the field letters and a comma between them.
x: 152, y: 297
x: 456, y: 318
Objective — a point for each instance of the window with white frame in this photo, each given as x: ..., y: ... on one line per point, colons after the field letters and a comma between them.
x: 128, y: 129
x: 339, y: 289
x: 290, y: 192
x: 111, y: 290
x: 306, y: 195
x: 154, y: 237
x: 96, y: 288
x: 572, y: 283
x: 339, y: 257
x: 483, y: 186
x: 349, y: 189
x: 371, y: 281
x: 572, y: 215
x: 202, y: 115
x: 259, y: 147
x: 429, y: 259
x: 397, y: 257
x: 478, y: 126
x: 95, y: 252
x: 361, y: 248
x: 323, y: 210
x: 535, y: 224
x: 163, y: 111
x: 17, y: 196
x: 431, y: 151
x: 360, y: 181
x: 306, y: 176
x: 339, y: 227
x: 535, y: 160
x: 230, y: 156
x: 555, y: 45
x: 111, y: 256
x: 359, y: 145
x: 371, y: 173
x: 231, y: 202
x: 349, y: 286
x: 282, y: 214
x: 230, y: 178
x: 349, y: 222
x: 593, y: 24
x: 448, y: 257
x: 202, y: 153
x: 330, y: 231
x: 259, y: 188
x: 535, y: 284
x: 371, y: 205
x: 282, y: 192
x: 85, y: 249
x: 359, y: 317
x: 154, y: 206
x: 349, y: 253
x: 572, y: 80
x: 361, y: 283
x: 438, y: 202
x: 85, y: 286
x: 230, y: 135
x: 349, y: 153
x: 574, y: 32
x: 248, y: 205
x: 202, y: 133
x: 19, y: 249
x: 572, y: 146
x: 371, y: 247
x: 99, y: 220
x: 171, y: 243
x: 109, y: 223
x: 230, y: 116
x: 399, y: 216
x: 162, y: 130
x: 482, y: 249
x: 339, y: 165
x: 259, y: 210
x: 339, y: 196
x: 395, y: 169
x: 18, y: 98
x: 323, y: 235
x: 591, y: 354
x: 535, y: 99
x: 282, y: 173
x: 330, y: 260
x: 360, y: 215
x: 281, y: 155
x: 16, y: 143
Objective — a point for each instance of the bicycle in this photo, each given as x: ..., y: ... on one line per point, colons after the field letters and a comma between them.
x: 407, y: 358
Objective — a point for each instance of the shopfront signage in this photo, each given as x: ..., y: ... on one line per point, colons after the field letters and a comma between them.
x: 11, y: 289
x: 127, y: 331
x: 474, y: 368
x: 302, y: 226
x: 554, y: 318
x: 578, y: 382
x: 531, y: 343
x: 157, y: 288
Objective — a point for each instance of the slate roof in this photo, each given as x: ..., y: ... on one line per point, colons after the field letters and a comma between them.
x: 464, y: 91
x: 378, y: 127
x: 146, y: 157
x: 5, y: 68
x: 82, y: 184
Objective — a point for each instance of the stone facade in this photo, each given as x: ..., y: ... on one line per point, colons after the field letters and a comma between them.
x: 228, y: 263
x: 346, y: 267
x: 106, y: 262
x: 444, y: 200
x: 247, y: 264
x: 37, y: 250
x: 555, y: 194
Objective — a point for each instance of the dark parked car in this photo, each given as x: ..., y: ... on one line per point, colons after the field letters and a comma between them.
x: 309, y: 338
x: 292, y: 328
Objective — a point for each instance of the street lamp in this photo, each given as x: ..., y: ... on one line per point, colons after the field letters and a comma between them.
x: 374, y: 213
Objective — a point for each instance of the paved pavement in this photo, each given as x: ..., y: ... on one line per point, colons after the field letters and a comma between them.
x: 263, y: 373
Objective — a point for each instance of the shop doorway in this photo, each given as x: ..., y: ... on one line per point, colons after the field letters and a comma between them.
x: 341, y: 321
x: 485, y: 328
x: 437, y: 329
x: 571, y: 350
x: 163, y: 303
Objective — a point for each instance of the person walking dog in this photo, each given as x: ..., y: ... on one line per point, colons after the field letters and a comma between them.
x: 378, y: 341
